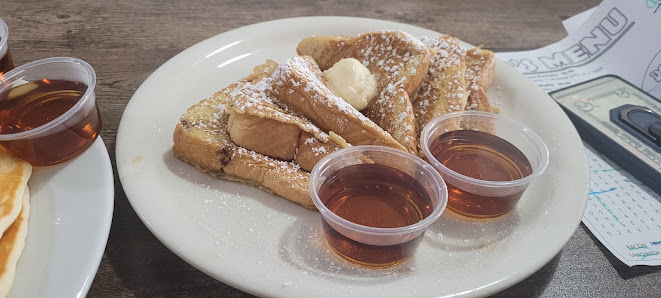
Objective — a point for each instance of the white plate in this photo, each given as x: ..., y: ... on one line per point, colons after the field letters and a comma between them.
x: 266, y: 245
x: 71, y: 212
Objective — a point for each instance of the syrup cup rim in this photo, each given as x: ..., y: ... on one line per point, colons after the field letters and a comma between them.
x: 432, y: 126
x: 4, y: 34
x: 15, y: 74
x: 440, y: 192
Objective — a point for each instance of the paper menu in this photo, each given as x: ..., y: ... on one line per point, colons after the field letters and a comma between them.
x: 621, y: 38
x: 623, y: 214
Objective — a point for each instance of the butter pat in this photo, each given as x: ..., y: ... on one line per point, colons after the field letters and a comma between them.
x: 352, y: 81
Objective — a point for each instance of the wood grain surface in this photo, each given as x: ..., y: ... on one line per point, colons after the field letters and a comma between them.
x: 126, y: 40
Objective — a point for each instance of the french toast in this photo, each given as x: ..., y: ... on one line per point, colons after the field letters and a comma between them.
x: 201, y: 138
x: 270, y: 129
x: 294, y: 104
x: 397, y: 59
x: 444, y: 88
x: 255, y: 122
x: 298, y: 84
x: 480, y: 68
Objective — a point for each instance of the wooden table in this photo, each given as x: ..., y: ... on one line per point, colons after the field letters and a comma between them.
x: 126, y: 40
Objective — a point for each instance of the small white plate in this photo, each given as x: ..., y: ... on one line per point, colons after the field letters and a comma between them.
x: 268, y: 246
x: 71, y: 212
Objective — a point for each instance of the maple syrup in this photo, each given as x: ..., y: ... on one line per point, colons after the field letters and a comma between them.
x: 6, y: 63
x: 481, y: 156
x: 376, y: 196
x: 31, y: 105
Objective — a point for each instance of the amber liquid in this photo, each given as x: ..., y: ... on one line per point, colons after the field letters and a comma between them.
x: 481, y: 156
x: 6, y: 63
x: 375, y: 196
x: 34, y: 104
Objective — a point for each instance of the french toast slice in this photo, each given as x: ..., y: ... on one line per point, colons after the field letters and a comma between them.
x: 248, y: 132
x: 288, y: 107
x: 201, y: 138
x: 299, y: 87
x: 397, y: 59
x: 255, y: 122
x: 444, y: 88
x: 480, y: 69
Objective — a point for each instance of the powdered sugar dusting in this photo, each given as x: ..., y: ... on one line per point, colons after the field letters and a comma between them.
x: 297, y: 71
x: 331, y: 112
x: 480, y: 63
x: 256, y: 99
x: 319, y: 150
x: 443, y: 89
x: 206, y: 117
x: 282, y: 166
x: 390, y: 55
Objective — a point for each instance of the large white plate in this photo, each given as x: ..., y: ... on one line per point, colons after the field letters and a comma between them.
x: 265, y: 245
x: 71, y: 212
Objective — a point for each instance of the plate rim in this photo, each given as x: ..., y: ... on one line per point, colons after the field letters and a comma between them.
x: 503, y: 283
x: 106, y: 201
x: 106, y: 225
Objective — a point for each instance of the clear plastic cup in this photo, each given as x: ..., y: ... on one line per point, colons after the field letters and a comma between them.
x: 484, y: 175
x: 62, y: 136
x: 376, y: 202
x: 6, y: 63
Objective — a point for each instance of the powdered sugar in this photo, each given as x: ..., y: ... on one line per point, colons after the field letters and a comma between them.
x: 443, y: 89
x: 274, y: 164
x: 331, y: 112
x: 478, y: 77
x: 257, y: 99
x: 319, y: 150
x: 390, y: 55
x: 297, y: 71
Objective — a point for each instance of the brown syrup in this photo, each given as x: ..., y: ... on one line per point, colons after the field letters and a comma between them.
x: 481, y: 156
x: 376, y: 196
x: 37, y: 104
x: 6, y: 63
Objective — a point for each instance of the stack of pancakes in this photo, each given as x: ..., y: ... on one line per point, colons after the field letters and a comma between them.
x: 270, y: 128
x: 14, y: 213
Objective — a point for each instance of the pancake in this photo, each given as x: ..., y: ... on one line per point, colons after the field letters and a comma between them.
x: 14, y: 175
x: 11, y: 245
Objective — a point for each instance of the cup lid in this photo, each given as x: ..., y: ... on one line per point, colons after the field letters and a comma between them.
x: 430, y: 131
x: 16, y: 74
x: 428, y: 171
